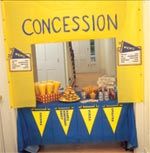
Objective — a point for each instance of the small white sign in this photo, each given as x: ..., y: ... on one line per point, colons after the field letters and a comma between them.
x: 20, y: 64
x: 130, y: 58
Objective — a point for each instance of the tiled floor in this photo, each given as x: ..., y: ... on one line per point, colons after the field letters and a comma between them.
x: 84, y: 148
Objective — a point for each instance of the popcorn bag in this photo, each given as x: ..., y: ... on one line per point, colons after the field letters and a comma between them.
x: 47, y: 91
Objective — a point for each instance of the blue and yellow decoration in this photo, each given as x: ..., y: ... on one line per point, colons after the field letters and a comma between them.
x: 65, y: 117
x: 89, y: 116
x: 113, y: 115
x: 41, y: 116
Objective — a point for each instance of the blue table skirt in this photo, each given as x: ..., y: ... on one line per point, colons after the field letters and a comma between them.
x: 28, y: 133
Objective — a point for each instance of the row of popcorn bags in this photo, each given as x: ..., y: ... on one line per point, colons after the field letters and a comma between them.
x: 47, y: 91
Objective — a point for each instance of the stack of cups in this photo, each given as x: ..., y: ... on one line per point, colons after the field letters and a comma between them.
x: 56, y: 86
x: 49, y: 87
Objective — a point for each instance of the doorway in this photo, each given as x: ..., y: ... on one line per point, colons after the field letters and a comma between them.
x: 93, y: 59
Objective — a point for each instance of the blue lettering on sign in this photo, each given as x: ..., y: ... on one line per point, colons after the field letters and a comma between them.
x: 70, y: 24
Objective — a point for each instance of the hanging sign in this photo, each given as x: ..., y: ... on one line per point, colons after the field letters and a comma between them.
x: 41, y: 117
x: 65, y: 117
x: 129, y: 54
x: 113, y: 115
x: 89, y: 116
x: 60, y: 22
x: 19, y: 61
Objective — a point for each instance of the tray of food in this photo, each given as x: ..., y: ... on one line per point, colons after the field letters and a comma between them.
x: 69, y: 96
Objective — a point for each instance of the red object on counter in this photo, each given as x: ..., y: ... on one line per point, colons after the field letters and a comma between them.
x: 48, y: 97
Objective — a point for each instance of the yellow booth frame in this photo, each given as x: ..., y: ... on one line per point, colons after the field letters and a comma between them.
x: 126, y: 25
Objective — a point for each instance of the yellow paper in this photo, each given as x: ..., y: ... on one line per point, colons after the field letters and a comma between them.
x: 113, y: 115
x: 41, y: 118
x: 123, y: 21
x: 89, y: 116
x: 56, y: 86
x: 65, y: 117
x: 50, y: 87
x: 42, y: 88
x: 37, y: 91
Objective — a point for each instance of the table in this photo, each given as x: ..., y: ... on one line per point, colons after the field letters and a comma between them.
x: 61, y: 123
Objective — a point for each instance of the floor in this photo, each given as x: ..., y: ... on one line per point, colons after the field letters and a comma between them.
x: 84, y: 148
x: 86, y: 79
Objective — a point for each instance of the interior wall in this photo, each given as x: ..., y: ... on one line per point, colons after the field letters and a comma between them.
x: 8, y: 115
x: 142, y: 110
x: 107, y: 56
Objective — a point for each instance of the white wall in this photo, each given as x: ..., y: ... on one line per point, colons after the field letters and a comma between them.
x: 107, y: 57
x: 142, y: 110
x: 8, y: 116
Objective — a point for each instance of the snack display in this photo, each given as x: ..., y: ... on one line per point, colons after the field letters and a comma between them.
x: 48, y: 97
x: 47, y: 91
x: 90, y: 92
x: 90, y: 89
x: 69, y: 95
x: 106, y: 82
x: 107, y: 86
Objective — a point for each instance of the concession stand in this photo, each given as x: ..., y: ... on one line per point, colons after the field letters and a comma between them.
x: 56, y: 111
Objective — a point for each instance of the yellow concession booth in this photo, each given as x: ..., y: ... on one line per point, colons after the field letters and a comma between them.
x: 28, y: 23
x: 47, y: 30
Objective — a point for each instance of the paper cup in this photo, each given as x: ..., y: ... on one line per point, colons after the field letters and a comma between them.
x: 56, y: 86
x: 36, y: 87
x: 50, y: 87
x: 42, y: 88
x: 92, y: 95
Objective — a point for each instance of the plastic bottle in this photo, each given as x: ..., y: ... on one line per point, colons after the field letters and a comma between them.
x: 101, y: 96
x: 106, y: 95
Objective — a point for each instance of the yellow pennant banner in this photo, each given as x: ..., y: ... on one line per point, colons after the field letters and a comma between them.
x: 89, y: 116
x: 41, y: 117
x: 65, y: 117
x: 113, y: 115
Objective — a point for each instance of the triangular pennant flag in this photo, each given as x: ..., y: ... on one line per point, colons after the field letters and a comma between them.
x: 113, y: 115
x: 65, y: 117
x: 41, y: 117
x: 127, y: 47
x: 89, y: 116
x: 18, y: 54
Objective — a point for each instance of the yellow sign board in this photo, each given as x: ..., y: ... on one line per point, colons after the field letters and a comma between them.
x: 113, y: 115
x: 65, y: 117
x: 41, y: 117
x: 89, y: 116
x: 30, y: 22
